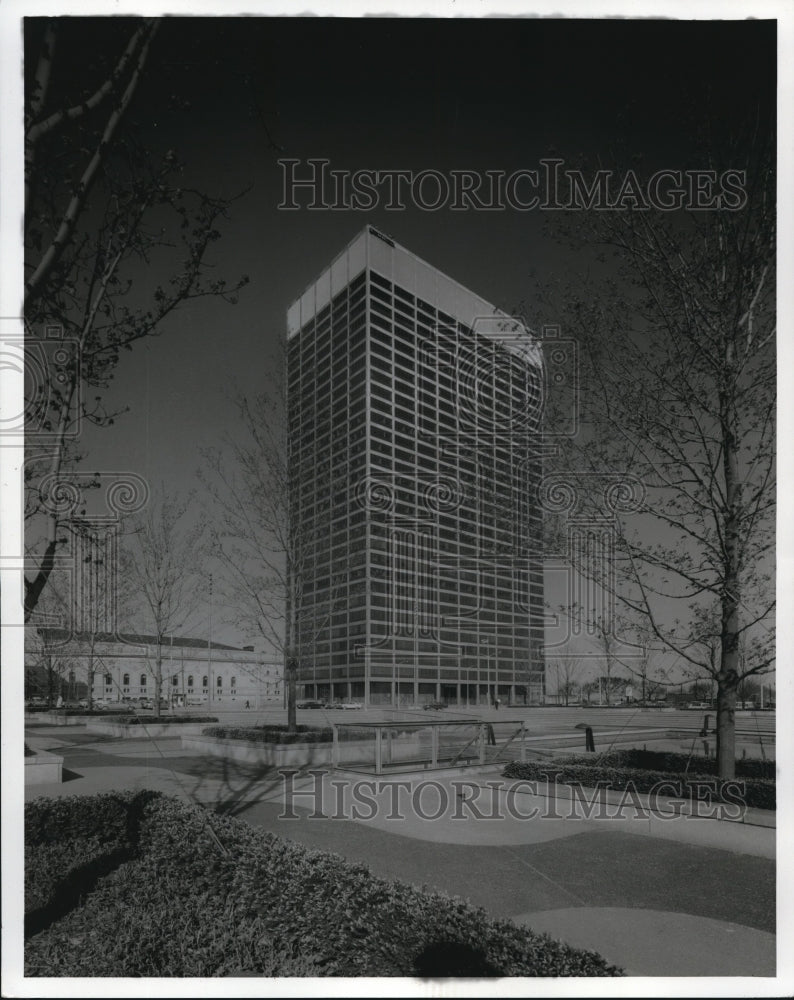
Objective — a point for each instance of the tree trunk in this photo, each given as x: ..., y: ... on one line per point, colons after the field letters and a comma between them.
x: 726, y: 730
x: 292, y: 690
x: 34, y: 587
x: 50, y: 682
x: 158, y: 680
x: 728, y: 676
x: 90, y: 694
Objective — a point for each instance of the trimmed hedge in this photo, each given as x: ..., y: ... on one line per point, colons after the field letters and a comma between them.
x: 69, y: 844
x: 757, y: 793
x: 674, y: 763
x: 71, y: 712
x: 279, y: 734
x: 93, y: 712
x: 209, y: 895
x: 54, y: 821
x: 151, y: 720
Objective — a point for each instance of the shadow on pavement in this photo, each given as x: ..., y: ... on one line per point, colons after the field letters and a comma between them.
x: 226, y: 786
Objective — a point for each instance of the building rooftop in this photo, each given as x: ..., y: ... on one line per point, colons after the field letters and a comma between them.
x: 373, y: 249
x: 61, y: 635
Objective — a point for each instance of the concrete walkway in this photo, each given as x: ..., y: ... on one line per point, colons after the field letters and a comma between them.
x: 687, y: 897
x: 649, y: 943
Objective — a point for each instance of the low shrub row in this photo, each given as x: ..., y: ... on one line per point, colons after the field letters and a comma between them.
x: 673, y: 763
x: 49, y: 866
x: 209, y: 895
x: 55, y: 821
x: 758, y: 793
x: 39, y: 710
x: 280, y: 734
x: 151, y: 720
x: 103, y: 712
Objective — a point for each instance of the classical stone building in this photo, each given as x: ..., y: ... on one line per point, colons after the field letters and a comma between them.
x: 195, y: 671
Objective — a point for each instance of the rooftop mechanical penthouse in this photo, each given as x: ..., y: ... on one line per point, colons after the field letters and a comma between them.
x: 414, y: 458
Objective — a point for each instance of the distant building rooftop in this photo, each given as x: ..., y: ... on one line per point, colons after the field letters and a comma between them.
x: 62, y: 635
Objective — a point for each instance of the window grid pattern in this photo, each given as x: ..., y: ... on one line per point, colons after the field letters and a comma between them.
x: 442, y: 587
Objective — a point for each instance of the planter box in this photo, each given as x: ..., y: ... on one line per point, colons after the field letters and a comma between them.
x: 284, y: 754
x: 43, y: 768
x: 148, y: 730
x: 55, y: 719
x: 278, y: 754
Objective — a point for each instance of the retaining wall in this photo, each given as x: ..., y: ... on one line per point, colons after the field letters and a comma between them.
x: 43, y: 768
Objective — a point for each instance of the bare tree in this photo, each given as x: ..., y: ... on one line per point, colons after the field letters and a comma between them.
x: 103, y: 214
x: 104, y: 593
x: 568, y: 669
x: 678, y: 375
x: 603, y: 632
x: 163, y: 562
x: 635, y: 653
x: 47, y: 657
x: 265, y: 560
x: 640, y: 667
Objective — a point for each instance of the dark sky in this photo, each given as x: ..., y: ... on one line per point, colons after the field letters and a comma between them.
x: 233, y: 95
x: 385, y: 93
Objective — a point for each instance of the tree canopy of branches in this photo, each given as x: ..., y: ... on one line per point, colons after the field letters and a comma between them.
x: 568, y: 669
x: 246, y: 486
x: 115, y: 242
x: 677, y: 340
x: 162, y: 561
x: 265, y: 559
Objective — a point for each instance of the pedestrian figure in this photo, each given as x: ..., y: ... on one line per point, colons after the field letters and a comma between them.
x: 497, y: 704
x: 247, y: 704
x: 491, y: 737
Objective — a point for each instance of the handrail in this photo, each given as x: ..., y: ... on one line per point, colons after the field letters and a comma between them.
x: 466, y: 747
x: 507, y: 744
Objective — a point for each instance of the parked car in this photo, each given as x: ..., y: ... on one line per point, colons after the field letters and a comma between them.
x: 349, y: 705
x: 309, y: 703
x: 699, y: 705
x: 437, y: 705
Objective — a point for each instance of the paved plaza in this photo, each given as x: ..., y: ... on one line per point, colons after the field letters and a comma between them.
x: 687, y: 897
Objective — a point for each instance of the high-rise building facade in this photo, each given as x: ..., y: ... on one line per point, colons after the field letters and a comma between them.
x: 414, y: 459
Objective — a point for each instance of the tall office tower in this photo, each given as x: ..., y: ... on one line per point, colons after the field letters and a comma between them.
x: 414, y: 421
